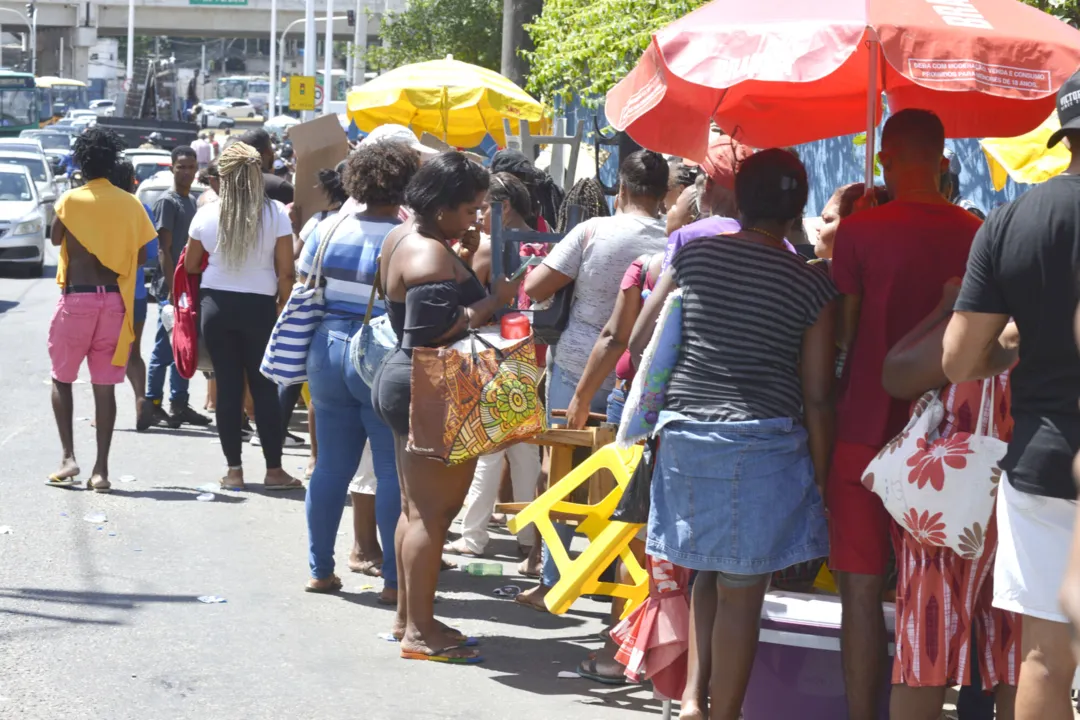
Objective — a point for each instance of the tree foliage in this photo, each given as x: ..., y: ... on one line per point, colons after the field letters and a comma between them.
x: 584, y: 47
x: 470, y: 30
x: 1067, y: 10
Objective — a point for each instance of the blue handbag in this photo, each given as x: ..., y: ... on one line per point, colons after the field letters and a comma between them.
x: 285, y: 359
x: 373, y: 341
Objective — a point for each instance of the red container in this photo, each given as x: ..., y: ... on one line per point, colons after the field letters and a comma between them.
x: 515, y: 326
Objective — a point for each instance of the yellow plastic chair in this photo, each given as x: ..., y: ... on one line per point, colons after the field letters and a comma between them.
x: 608, y: 539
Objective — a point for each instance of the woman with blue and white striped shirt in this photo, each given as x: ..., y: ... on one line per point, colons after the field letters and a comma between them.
x: 375, y: 176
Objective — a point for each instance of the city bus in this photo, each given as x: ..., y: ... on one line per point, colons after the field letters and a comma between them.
x: 18, y: 103
x: 55, y: 91
x: 253, y: 88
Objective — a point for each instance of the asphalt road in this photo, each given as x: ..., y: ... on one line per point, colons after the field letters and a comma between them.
x: 99, y: 620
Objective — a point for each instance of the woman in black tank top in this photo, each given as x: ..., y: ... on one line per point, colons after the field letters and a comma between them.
x: 433, y: 298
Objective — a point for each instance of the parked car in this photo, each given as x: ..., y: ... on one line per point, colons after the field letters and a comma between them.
x: 230, y: 108
x: 148, y: 163
x: 75, y: 113
x: 22, y: 144
x: 22, y: 221
x: 103, y: 107
x: 41, y: 173
x: 81, y: 122
x: 156, y: 185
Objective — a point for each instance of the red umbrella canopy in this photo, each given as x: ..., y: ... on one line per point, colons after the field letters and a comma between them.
x: 784, y: 72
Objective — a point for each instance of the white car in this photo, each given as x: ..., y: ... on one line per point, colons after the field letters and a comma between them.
x: 22, y: 220
x: 81, y: 122
x: 157, y: 185
x: 103, y: 108
x: 230, y: 108
x: 148, y: 163
x: 42, y: 175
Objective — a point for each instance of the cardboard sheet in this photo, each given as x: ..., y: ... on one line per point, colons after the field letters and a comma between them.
x: 318, y: 144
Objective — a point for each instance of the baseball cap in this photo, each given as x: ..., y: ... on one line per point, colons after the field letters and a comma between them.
x: 1068, y: 109
x: 723, y: 158
x: 279, y: 164
x: 397, y: 133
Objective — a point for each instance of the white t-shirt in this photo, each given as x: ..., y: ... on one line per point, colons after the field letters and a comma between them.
x: 596, y: 255
x: 257, y: 274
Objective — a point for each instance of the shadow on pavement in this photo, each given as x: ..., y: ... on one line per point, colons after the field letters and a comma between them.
x: 260, y: 489
x: 110, y: 601
x: 172, y: 494
x: 208, y: 432
x: 6, y: 305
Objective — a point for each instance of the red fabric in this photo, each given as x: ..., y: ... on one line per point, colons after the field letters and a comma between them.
x: 185, y: 336
x: 753, y: 67
x: 654, y: 639
x: 941, y: 597
x: 723, y: 158
x: 858, y: 521
x: 897, y: 257
x: 624, y: 370
x: 533, y: 250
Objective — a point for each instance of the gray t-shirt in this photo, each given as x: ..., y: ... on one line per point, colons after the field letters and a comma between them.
x: 596, y: 254
x: 174, y: 212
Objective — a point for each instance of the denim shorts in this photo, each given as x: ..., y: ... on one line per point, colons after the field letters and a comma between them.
x: 616, y: 403
x: 561, y: 386
x: 735, y: 497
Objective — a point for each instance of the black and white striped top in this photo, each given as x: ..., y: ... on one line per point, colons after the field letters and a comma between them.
x: 746, y: 307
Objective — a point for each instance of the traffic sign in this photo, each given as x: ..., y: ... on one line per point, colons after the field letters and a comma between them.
x: 318, y: 95
x: 303, y: 92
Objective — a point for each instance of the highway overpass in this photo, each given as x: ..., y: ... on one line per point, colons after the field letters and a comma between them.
x: 87, y: 20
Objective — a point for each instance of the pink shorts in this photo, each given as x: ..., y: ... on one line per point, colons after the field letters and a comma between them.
x: 87, y: 325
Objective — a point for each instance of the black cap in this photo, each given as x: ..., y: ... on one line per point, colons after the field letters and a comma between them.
x: 1068, y: 109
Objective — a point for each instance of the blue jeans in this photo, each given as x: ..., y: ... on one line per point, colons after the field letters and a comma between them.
x: 616, y: 403
x: 346, y: 421
x: 560, y: 390
x: 161, y: 361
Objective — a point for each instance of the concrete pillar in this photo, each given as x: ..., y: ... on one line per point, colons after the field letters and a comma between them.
x: 82, y: 39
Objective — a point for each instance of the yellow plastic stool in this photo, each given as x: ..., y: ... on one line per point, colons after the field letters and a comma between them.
x: 608, y: 539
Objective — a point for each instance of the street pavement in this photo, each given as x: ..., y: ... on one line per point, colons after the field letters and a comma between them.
x: 100, y: 620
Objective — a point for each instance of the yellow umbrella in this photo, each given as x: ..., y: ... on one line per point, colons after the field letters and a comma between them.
x: 1025, y: 158
x: 455, y: 101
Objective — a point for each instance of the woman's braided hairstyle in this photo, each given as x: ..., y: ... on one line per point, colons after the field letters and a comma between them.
x: 588, y: 196
x: 242, y: 201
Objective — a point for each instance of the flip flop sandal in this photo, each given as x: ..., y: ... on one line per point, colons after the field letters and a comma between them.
x: 440, y: 656
x: 331, y: 588
x: 465, y: 641
x: 101, y: 486
x: 587, y: 669
x: 531, y: 605
x: 295, y: 484
x: 226, y: 485
x: 458, y: 548
x: 56, y: 481
x: 507, y: 591
x: 447, y: 565
x: 525, y: 572
x: 367, y: 567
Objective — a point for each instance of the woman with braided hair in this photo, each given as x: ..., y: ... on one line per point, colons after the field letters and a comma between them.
x: 588, y: 197
x: 247, y: 278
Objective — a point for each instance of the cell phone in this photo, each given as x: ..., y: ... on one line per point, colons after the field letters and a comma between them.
x: 531, y: 262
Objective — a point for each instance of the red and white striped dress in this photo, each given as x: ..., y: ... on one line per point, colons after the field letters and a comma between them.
x: 940, y: 596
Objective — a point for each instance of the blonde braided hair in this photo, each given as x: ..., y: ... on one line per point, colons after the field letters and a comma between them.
x: 242, y: 200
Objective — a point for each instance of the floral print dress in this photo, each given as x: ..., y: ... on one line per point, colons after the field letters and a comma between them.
x: 941, y: 595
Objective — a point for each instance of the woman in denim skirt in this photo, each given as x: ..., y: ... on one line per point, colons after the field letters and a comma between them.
x: 747, y: 428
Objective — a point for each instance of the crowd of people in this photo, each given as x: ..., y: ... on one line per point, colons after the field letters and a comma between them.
x: 798, y: 367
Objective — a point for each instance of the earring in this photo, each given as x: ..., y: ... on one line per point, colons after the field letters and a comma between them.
x: 439, y: 216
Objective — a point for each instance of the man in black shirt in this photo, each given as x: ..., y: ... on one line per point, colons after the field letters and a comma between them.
x: 276, y: 188
x: 1023, y: 265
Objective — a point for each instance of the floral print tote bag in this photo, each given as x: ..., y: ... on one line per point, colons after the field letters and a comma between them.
x: 941, y: 488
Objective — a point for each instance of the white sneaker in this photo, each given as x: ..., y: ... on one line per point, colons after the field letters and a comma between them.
x: 255, y: 441
x: 292, y: 441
